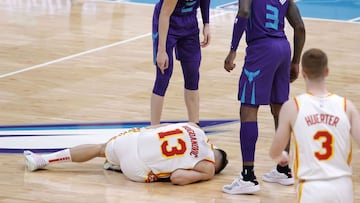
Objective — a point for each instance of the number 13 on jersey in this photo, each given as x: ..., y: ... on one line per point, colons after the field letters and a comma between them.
x: 171, y: 151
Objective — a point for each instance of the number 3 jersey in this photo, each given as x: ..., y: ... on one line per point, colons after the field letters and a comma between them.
x: 322, y: 137
x: 267, y: 20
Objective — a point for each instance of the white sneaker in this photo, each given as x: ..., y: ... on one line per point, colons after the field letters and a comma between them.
x: 276, y: 177
x: 34, y: 161
x: 112, y: 167
x: 239, y: 186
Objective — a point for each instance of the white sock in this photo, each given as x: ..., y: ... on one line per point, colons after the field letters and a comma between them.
x: 56, y: 157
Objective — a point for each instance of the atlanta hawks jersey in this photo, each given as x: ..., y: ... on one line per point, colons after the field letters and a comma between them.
x: 145, y: 155
x: 322, y: 136
x: 175, y: 146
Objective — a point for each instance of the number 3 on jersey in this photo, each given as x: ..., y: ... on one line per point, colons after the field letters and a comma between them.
x: 171, y: 151
x: 272, y: 16
x: 327, y: 144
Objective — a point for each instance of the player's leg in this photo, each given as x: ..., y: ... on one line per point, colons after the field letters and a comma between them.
x: 192, y: 101
x: 191, y: 90
x: 79, y: 153
x: 161, y: 81
x: 254, y: 90
x: 246, y: 183
x: 188, y: 52
x: 280, y: 94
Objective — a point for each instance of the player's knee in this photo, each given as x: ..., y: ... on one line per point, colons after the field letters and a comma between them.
x: 192, y: 82
x: 161, y: 84
x: 192, y: 86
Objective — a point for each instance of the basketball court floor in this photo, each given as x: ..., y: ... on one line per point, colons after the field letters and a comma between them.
x: 74, y: 72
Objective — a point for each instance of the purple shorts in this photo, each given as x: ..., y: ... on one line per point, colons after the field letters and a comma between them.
x: 265, y: 77
x: 183, y: 37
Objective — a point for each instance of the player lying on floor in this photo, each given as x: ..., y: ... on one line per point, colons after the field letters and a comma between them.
x: 180, y: 153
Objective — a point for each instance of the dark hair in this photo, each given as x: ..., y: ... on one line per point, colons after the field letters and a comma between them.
x: 224, y: 161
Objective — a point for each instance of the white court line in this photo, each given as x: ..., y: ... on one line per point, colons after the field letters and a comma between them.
x: 354, y: 19
x: 81, y: 53
x: 73, y: 56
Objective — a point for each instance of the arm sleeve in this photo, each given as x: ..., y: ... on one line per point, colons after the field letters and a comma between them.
x: 205, y: 11
x: 238, y: 30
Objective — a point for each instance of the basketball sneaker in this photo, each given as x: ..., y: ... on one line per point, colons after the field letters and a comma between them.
x: 34, y: 161
x: 275, y: 176
x: 112, y: 167
x: 240, y: 186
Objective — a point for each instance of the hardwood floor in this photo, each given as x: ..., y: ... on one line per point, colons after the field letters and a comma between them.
x: 88, y: 61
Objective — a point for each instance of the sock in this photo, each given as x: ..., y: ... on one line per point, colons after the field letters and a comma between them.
x: 248, y: 174
x: 56, y: 157
x: 284, y: 169
x: 248, y: 138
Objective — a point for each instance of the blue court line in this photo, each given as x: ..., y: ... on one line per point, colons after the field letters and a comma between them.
x: 17, y: 138
x: 108, y: 125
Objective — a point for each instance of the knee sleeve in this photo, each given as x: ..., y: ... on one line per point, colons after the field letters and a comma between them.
x: 162, y: 81
x: 191, y: 74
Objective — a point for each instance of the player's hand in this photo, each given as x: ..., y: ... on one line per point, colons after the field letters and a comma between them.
x: 229, y: 61
x: 162, y: 61
x: 207, y: 36
x: 294, y: 72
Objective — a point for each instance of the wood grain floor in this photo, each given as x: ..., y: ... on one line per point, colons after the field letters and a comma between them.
x: 87, y: 61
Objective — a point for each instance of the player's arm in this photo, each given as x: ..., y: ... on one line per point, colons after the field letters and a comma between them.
x: 205, y: 14
x: 167, y: 9
x: 354, y: 118
x: 283, y: 133
x: 204, y: 170
x: 294, y: 18
x: 240, y: 23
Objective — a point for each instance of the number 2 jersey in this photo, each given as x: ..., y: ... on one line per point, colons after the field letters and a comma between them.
x: 322, y: 137
x: 146, y: 155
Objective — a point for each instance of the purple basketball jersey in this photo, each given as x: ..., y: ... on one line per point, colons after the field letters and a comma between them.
x: 267, y: 19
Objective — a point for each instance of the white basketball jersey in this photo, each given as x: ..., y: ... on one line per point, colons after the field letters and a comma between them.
x: 322, y: 137
x: 171, y: 147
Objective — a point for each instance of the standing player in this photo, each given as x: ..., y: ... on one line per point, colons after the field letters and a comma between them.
x: 178, y: 152
x: 322, y: 124
x: 175, y: 25
x: 266, y: 75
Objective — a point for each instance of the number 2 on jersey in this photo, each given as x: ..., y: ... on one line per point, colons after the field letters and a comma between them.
x: 327, y: 144
x: 180, y: 149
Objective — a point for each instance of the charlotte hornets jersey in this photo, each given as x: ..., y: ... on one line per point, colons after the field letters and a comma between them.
x: 267, y: 19
x: 183, y: 7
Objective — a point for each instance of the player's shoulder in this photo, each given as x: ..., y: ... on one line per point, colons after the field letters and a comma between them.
x: 290, y: 105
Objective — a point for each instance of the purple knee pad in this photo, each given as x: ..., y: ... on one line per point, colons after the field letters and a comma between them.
x: 191, y: 74
x: 248, y: 138
x: 161, y: 82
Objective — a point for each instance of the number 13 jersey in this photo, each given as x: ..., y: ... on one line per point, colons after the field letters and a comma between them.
x: 175, y: 146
